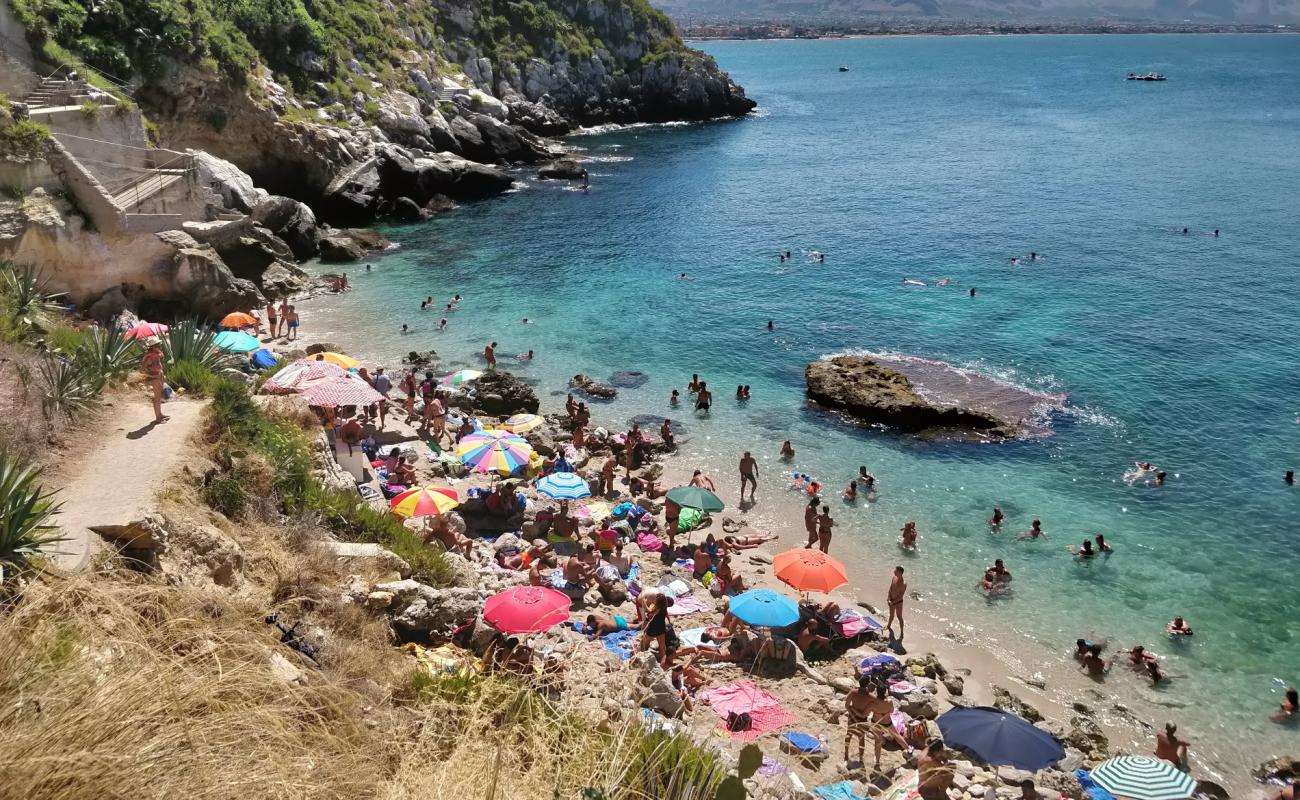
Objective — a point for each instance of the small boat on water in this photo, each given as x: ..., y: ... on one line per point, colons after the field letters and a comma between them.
x: 844, y: 68
x: 1150, y: 76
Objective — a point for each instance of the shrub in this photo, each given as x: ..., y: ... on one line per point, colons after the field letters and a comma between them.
x: 26, y: 515
x: 108, y: 354
x: 188, y: 341
x: 192, y: 376
x: 66, y: 387
x: 23, y: 294
x: 226, y: 494
x: 64, y: 339
x: 23, y: 140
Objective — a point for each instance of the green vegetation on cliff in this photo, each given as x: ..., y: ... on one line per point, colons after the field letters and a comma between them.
x: 20, y: 139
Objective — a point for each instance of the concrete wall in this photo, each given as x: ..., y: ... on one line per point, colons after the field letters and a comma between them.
x: 109, y: 124
x: 89, y: 194
x: 15, y: 176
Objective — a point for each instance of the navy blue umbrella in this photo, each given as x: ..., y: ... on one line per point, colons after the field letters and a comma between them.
x: 994, y: 736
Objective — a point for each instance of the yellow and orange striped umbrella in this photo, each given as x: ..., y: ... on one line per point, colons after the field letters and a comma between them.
x: 424, y: 501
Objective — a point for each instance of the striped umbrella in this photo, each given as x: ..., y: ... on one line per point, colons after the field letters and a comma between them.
x: 493, y: 451
x: 424, y: 501
x: 236, y: 341
x: 522, y: 423
x: 341, y: 392
x: 461, y: 376
x: 302, y: 374
x: 564, y: 486
x: 1144, y: 778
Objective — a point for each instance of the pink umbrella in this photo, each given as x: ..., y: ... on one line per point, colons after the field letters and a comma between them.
x: 300, y: 375
x: 143, y: 330
x: 341, y: 392
x: 526, y: 609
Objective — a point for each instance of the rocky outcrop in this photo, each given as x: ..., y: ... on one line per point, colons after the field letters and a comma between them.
x: 351, y: 244
x: 592, y: 388
x: 254, y: 254
x: 292, y: 221
x: 566, y: 169
x: 500, y: 394
x: 420, y: 612
x: 874, y: 393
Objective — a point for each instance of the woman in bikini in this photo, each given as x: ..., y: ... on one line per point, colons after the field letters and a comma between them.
x: 152, y: 366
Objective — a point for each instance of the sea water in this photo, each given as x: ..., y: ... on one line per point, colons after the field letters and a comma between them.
x: 945, y: 157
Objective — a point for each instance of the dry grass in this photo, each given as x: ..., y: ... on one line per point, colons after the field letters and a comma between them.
x: 23, y: 428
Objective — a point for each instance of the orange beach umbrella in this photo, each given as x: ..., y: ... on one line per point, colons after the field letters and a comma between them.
x: 238, y: 319
x: 809, y: 570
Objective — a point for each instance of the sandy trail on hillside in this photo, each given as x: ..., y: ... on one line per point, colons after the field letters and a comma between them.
x: 113, y: 477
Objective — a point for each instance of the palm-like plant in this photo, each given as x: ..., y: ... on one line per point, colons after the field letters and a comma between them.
x: 26, y: 515
x: 108, y: 353
x: 67, y: 387
x: 30, y: 304
x: 189, y: 341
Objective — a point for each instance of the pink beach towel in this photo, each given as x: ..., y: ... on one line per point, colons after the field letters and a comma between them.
x: 763, y: 709
x: 686, y: 605
x: 649, y: 542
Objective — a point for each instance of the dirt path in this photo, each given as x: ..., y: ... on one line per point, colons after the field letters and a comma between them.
x: 115, y: 479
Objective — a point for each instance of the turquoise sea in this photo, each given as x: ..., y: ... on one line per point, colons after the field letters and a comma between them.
x: 942, y: 157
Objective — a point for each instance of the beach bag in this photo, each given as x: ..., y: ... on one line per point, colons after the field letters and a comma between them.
x: 918, y: 735
x: 737, y: 722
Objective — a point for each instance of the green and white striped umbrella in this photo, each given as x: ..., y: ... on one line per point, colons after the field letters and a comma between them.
x: 1143, y: 778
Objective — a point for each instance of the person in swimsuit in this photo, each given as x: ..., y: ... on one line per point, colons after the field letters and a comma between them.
x: 824, y: 525
x: 998, y: 516
x: 1178, y: 627
x: 151, y: 364
x: 694, y: 385
x: 1092, y: 661
x: 908, y: 539
x: 787, y: 452
x: 1289, y: 711
x: 748, y: 475
x: 702, y: 481
x: 601, y: 624
x: 933, y: 773
x: 291, y: 319
x: 490, y: 355
x: 272, y: 320
x: 897, y: 591
x: 1170, y: 748
x: 671, y: 512
x: 703, y: 398
x: 810, y: 520
x: 745, y: 542
x: 1035, y: 531
x: 656, y: 628
x: 1102, y: 547
x: 851, y: 493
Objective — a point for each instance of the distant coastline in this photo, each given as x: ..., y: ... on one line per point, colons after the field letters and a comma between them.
x: 912, y: 27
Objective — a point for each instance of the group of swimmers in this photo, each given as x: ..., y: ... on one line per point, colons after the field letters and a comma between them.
x: 814, y: 257
x: 1085, y: 550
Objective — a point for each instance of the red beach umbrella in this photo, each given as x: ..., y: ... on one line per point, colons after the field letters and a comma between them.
x: 809, y: 570
x: 341, y: 392
x: 143, y: 330
x: 526, y: 609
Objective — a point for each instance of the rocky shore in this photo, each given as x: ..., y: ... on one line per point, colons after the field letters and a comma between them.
x: 873, y: 393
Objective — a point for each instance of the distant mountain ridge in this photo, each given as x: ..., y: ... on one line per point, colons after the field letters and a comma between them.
x: 857, y: 11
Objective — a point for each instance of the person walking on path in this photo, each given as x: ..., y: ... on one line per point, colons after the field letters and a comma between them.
x: 748, y: 475
x: 897, y: 591
x: 152, y: 366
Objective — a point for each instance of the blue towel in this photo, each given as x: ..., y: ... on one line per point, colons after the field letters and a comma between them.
x: 837, y: 791
x: 1090, y: 786
x: 803, y: 742
x: 621, y: 644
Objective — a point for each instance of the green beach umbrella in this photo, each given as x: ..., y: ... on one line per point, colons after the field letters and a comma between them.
x: 695, y: 497
x: 1143, y: 778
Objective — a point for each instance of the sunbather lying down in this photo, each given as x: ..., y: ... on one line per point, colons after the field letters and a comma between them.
x: 730, y: 646
x: 746, y: 542
x: 449, y: 530
x: 601, y: 624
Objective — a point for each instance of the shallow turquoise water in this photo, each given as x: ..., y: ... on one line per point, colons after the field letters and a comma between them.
x: 940, y: 157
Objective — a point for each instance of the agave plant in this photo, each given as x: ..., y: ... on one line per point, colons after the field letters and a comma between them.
x: 189, y: 341
x: 26, y: 515
x: 67, y: 387
x: 108, y: 354
x: 24, y: 287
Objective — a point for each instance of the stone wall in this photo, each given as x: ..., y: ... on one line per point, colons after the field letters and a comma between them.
x: 88, y: 193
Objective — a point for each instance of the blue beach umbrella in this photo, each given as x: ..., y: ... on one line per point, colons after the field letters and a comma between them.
x: 564, y: 486
x: 1143, y: 778
x: 764, y: 608
x: 236, y: 341
x: 997, y: 737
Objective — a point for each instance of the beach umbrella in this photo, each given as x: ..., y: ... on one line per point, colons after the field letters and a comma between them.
x: 143, y: 330
x: 461, y: 376
x: 236, y: 342
x: 1143, y: 778
x: 564, y: 486
x: 424, y: 501
x: 301, y: 374
x: 809, y: 570
x: 997, y: 737
x: 522, y: 423
x: 493, y: 451
x: 341, y: 392
x: 238, y: 319
x: 338, y: 359
x: 764, y: 608
x: 526, y: 609
x: 695, y: 497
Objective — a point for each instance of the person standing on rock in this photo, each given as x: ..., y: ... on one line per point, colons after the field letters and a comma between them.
x: 897, y: 591
x: 748, y: 475
x: 810, y: 520
x: 490, y: 355
x: 152, y: 366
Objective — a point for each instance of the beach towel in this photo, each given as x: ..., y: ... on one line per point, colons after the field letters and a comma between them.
x: 837, y: 791
x: 621, y: 643
x: 687, y: 605
x: 743, y: 697
x: 904, y: 788
x: 879, y: 663
x: 689, y: 519
x: 649, y: 542
x: 691, y: 638
x: 674, y: 587
x: 796, y: 742
x: 772, y: 768
x: 850, y: 623
x: 901, y: 688
x: 684, y: 562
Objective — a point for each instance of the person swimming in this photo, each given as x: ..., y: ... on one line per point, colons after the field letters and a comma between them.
x: 944, y: 282
x: 1102, y: 547
x: 972, y: 291
x: 1035, y: 531
x: 998, y: 516
x: 1178, y: 627
x: 910, y: 282
x: 851, y: 493
x: 787, y: 452
x: 1085, y: 551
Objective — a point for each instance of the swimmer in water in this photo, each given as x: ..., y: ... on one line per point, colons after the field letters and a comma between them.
x: 770, y: 326
x: 1178, y: 627
x: 527, y: 321
x: 910, y: 282
x: 1102, y: 547
x: 1033, y: 256
x: 944, y: 282
x: 526, y: 356
x: 1184, y: 231
x: 1015, y: 262
x: 683, y: 277
x: 442, y: 325
x: 1140, y: 469
x: 972, y: 291
x: 1289, y: 712
x: 1216, y: 233
x: 674, y: 399
x: 851, y: 493
x: 1035, y: 531
x: 1085, y: 551
x: 1160, y: 479
x: 998, y: 516
x: 787, y: 452
x: 405, y: 330
x: 908, y: 540
x: 868, y: 480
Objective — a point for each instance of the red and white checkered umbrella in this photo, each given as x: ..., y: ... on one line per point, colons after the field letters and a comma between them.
x: 347, y: 391
x: 300, y: 375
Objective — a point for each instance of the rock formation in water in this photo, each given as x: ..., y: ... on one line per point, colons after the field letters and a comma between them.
x: 874, y: 393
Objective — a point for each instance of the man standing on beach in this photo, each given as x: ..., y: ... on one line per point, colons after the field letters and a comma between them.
x: 897, y: 591
x: 810, y: 520
x: 490, y: 355
x: 703, y: 398
x: 748, y: 475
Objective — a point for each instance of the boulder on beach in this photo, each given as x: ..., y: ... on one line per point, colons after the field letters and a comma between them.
x: 874, y: 393
x: 564, y: 169
x: 500, y: 394
x: 585, y: 384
